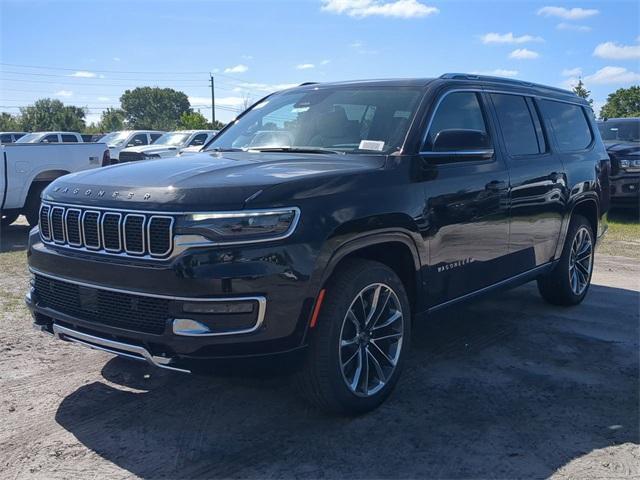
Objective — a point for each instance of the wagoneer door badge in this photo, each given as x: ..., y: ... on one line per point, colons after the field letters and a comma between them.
x: 451, y: 266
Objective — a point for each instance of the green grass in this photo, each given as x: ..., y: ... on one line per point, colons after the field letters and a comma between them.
x: 623, y: 237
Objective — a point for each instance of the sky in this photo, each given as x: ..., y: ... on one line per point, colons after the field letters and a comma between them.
x: 86, y: 53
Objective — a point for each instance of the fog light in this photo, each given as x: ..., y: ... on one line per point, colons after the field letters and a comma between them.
x: 217, y: 307
x: 185, y: 326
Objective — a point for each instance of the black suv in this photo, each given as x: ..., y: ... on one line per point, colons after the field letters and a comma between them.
x: 321, y: 223
x: 621, y: 136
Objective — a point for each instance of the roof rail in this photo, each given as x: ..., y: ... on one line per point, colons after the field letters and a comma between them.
x: 506, y: 81
x: 308, y: 83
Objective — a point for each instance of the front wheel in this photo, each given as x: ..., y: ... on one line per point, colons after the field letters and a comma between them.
x: 570, y: 279
x: 359, y: 344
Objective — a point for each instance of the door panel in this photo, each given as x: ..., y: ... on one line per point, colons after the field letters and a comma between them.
x: 537, y: 182
x: 466, y: 202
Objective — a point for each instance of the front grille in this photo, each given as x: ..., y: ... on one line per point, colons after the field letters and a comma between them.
x: 130, y: 156
x: 122, y: 310
x: 115, y: 232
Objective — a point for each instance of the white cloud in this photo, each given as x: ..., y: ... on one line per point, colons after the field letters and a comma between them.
x: 64, y: 93
x: 367, y: 8
x: 222, y: 101
x: 305, y: 66
x: 361, y: 48
x: 83, y: 74
x: 573, y: 27
x: 498, y: 72
x: 608, y: 75
x: 616, y: 51
x: 116, y: 59
x: 236, y: 69
x: 523, y: 54
x: 325, y: 62
x: 508, y: 38
x: 568, y: 13
x: 572, y: 72
x: 104, y: 99
x: 247, y: 57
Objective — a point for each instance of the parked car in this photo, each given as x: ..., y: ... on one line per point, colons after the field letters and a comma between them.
x: 10, y: 137
x: 168, y: 145
x: 26, y: 169
x: 321, y: 224
x: 621, y: 136
x: 51, y: 137
x: 120, y: 140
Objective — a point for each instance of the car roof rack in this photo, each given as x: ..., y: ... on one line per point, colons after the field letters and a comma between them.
x: 308, y: 83
x: 502, y: 80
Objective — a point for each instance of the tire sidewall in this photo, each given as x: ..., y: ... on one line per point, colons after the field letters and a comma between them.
x: 578, y: 223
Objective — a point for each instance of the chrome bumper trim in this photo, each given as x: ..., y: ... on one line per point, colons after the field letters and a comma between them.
x: 135, y: 352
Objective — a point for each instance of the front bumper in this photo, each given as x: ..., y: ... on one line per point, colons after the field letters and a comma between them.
x: 625, y: 189
x: 275, y: 277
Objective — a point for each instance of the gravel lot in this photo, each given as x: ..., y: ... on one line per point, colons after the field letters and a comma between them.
x: 504, y: 388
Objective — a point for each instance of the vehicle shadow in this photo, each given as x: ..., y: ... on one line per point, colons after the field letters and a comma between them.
x: 505, y: 388
x: 14, y: 237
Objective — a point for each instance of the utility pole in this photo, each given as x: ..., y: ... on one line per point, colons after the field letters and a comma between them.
x: 213, y: 101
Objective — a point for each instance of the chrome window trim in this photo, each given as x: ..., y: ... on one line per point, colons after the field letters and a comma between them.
x: 42, y: 207
x: 51, y: 229
x: 84, y: 239
x: 260, y: 299
x: 142, y: 233
x: 533, y: 96
x: 104, y: 244
x: 168, y: 251
x: 66, y: 226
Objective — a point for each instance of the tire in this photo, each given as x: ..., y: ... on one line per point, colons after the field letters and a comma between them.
x: 322, y: 380
x: 32, y: 205
x: 7, y: 218
x: 568, y: 283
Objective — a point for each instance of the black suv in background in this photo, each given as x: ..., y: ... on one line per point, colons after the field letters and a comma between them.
x: 621, y: 136
x: 321, y: 223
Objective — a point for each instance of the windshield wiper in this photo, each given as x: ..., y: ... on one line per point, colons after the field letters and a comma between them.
x: 297, y: 150
x: 220, y: 149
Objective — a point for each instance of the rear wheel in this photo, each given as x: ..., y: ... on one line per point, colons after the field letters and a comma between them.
x: 7, y: 218
x: 360, y: 342
x: 570, y: 279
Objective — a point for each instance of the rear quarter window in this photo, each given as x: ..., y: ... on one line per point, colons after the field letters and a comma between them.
x: 569, y: 125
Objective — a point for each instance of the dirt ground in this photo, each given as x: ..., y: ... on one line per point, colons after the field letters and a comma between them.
x: 508, y: 387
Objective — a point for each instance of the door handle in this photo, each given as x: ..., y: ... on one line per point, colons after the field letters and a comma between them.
x: 496, y: 186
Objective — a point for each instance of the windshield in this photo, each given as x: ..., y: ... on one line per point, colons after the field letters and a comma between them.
x: 342, y: 119
x: 30, y: 138
x: 173, y: 139
x: 114, y: 139
x: 627, y: 131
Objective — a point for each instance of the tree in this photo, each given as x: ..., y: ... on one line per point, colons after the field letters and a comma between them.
x: 9, y: 123
x: 582, y: 91
x: 50, y: 114
x: 112, y: 119
x: 154, y: 108
x: 217, y: 125
x: 624, y: 102
x: 193, y: 121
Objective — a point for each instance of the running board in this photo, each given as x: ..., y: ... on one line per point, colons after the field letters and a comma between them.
x: 134, y: 352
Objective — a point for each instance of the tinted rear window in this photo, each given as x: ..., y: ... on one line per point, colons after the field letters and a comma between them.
x: 569, y: 125
x: 516, y: 123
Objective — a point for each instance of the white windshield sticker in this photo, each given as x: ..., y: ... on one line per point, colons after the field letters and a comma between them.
x: 375, y: 145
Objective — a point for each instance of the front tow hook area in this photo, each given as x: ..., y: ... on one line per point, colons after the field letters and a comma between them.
x: 135, y: 352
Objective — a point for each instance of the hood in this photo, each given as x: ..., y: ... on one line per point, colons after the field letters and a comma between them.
x: 200, y: 181
x: 151, y: 149
x: 622, y: 148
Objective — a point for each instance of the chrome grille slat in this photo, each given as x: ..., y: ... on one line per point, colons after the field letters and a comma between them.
x: 107, y: 231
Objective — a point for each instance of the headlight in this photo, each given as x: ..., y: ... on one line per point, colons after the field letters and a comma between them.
x: 244, y: 227
x: 628, y: 163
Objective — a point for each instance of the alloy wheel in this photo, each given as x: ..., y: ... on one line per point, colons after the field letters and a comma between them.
x: 580, y: 261
x: 371, y: 339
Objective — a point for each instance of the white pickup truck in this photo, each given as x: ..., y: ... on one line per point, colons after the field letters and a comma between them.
x: 27, y: 168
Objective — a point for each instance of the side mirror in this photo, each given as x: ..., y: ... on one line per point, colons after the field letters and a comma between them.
x: 460, y: 140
